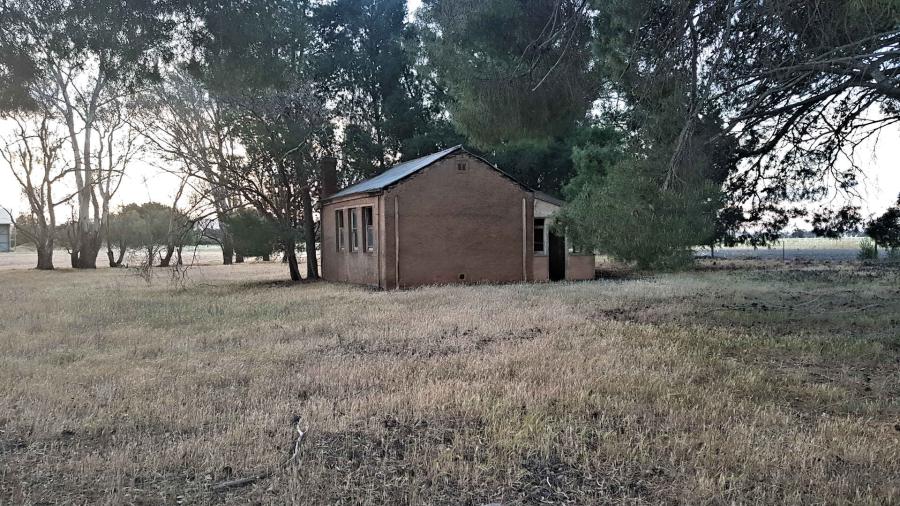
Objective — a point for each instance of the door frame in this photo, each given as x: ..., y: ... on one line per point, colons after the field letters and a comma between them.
x: 556, y: 257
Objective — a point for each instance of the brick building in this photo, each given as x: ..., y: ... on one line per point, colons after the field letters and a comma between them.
x: 449, y: 217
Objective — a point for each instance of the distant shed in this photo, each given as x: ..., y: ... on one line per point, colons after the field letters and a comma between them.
x: 6, y: 223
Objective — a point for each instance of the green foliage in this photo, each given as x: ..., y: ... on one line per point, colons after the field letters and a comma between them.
x: 509, y: 76
x: 365, y: 59
x: 126, y: 39
x: 761, y: 66
x: 541, y: 165
x: 254, y: 236
x: 629, y: 217
x: 885, y: 229
x: 834, y: 224
x: 633, y: 199
x: 243, y: 46
x: 867, y: 250
x: 148, y: 226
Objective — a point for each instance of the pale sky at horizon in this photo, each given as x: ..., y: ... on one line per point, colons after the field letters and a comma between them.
x: 143, y: 181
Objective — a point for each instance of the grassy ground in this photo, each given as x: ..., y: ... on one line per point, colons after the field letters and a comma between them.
x: 771, y: 384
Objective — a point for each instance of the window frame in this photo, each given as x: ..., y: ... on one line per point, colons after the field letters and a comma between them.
x: 543, y: 236
x: 354, y: 230
x: 368, y: 227
x: 339, y: 227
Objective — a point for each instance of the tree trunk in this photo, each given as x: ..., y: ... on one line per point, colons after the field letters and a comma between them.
x: 290, y: 251
x: 45, y: 257
x: 238, y: 258
x: 266, y: 257
x: 309, y: 232
x: 178, y: 255
x: 121, y: 255
x: 164, y: 261
x: 85, y: 257
x: 227, y: 247
x: 111, y: 256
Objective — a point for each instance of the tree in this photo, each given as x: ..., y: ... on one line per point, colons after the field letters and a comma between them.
x: 122, y: 234
x: 885, y: 229
x: 254, y: 236
x: 834, y: 224
x: 743, y: 96
x: 281, y: 133
x: 617, y: 204
x: 514, y: 70
x: 160, y: 231
x: 541, y: 165
x: 797, y: 85
x: 79, y: 59
x: 187, y: 126
x: 365, y: 62
x: 33, y: 158
x: 254, y: 56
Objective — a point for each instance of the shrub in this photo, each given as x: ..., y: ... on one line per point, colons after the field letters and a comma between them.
x: 868, y: 250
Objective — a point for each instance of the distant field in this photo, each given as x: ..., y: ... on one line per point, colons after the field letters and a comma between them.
x: 722, y: 385
x: 819, y: 249
x: 26, y: 258
x: 815, y: 249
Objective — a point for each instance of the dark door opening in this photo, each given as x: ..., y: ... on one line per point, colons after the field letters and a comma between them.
x: 557, y: 258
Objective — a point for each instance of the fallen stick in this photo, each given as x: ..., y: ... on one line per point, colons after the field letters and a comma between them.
x: 243, y: 482
x: 240, y: 482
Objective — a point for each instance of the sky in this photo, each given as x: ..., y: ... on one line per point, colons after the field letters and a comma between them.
x: 879, y: 188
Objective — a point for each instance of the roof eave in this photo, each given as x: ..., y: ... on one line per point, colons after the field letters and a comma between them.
x: 359, y: 194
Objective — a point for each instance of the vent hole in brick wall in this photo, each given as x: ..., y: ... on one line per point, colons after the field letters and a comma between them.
x: 462, y: 276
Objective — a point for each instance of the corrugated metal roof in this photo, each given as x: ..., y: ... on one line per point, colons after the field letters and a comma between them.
x: 394, y: 174
x: 5, y: 217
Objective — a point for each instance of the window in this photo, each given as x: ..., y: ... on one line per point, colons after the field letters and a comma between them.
x: 354, y: 230
x: 368, y: 229
x: 461, y: 166
x: 339, y: 229
x: 539, y: 235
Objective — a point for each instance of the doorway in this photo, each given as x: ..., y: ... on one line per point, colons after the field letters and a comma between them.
x: 557, y: 260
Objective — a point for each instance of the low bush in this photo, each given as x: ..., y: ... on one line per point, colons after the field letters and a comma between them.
x: 868, y: 250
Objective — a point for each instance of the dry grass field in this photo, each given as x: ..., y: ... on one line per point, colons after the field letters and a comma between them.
x: 763, y: 384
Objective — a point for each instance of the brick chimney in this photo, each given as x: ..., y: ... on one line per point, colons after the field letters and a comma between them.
x: 328, y: 167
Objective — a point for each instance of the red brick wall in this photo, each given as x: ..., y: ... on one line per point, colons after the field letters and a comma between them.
x: 456, y: 222
x: 541, y: 268
x: 360, y: 267
x: 580, y: 267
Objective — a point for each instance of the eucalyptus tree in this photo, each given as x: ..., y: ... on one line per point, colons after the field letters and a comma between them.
x: 79, y: 58
x: 31, y: 153
x: 255, y: 58
x: 189, y: 128
x: 281, y: 134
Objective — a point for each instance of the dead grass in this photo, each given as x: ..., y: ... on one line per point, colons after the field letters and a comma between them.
x: 767, y: 385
